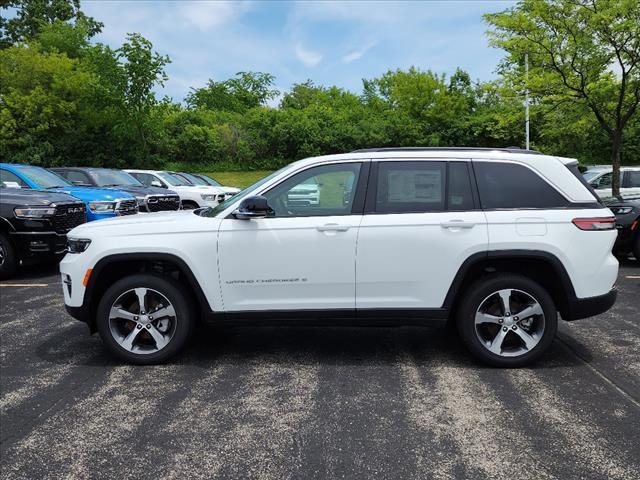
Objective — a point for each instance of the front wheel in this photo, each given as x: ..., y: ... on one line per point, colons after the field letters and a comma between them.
x: 144, y: 319
x: 8, y: 258
x: 507, y: 320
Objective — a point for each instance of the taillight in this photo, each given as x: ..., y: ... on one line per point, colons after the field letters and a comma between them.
x: 634, y: 225
x: 606, y: 223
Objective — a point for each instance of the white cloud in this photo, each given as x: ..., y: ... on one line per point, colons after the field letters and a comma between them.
x: 207, y: 14
x: 308, y: 57
x: 358, y: 53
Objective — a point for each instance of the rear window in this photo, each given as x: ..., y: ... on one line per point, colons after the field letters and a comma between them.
x: 508, y: 185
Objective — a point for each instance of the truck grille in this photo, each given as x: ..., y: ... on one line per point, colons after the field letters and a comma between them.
x: 127, y: 207
x: 68, y: 216
x: 163, y: 202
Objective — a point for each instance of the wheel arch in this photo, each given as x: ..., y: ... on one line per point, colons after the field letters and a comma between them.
x: 542, y: 267
x: 116, y: 266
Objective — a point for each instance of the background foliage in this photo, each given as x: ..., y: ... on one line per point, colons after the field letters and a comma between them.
x: 66, y: 100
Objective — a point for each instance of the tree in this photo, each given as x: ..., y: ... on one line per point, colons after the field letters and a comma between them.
x: 33, y: 15
x: 247, y: 90
x: 580, y: 51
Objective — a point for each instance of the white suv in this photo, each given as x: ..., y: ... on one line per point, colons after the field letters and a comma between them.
x: 499, y: 241
x: 191, y: 196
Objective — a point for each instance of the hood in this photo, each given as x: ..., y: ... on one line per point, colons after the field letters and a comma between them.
x: 141, y: 190
x: 181, y: 221
x: 232, y: 190
x: 33, y: 197
x: 199, y: 188
x: 91, y: 194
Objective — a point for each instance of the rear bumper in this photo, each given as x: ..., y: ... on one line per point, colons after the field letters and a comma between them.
x: 589, y: 307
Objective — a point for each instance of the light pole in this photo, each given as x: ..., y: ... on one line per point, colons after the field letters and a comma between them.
x: 526, y: 99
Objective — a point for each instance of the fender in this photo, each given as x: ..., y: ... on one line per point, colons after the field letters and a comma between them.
x: 539, y: 255
x: 86, y: 312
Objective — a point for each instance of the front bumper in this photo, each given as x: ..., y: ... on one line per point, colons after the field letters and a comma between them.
x: 39, y: 245
x: 591, y: 306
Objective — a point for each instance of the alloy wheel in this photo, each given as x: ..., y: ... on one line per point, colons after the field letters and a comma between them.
x: 509, y: 322
x: 142, y: 321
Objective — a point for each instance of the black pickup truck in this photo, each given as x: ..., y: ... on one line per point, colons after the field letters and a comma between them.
x: 34, y: 226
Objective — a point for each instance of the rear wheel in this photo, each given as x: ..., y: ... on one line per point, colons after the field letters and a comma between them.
x: 8, y: 258
x: 507, y: 320
x: 144, y: 319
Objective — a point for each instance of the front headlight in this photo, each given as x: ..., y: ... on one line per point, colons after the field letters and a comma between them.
x: 34, y: 212
x: 207, y: 196
x: 77, y: 245
x: 621, y: 210
x: 101, y: 207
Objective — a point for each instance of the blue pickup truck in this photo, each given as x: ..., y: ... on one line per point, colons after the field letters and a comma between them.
x: 101, y: 203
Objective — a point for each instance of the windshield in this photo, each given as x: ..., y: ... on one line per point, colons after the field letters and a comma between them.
x: 591, y: 174
x: 173, y: 180
x: 43, y: 178
x: 113, y: 178
x: 209, y: 180
x: 213, y: 211
x: 193, y: 179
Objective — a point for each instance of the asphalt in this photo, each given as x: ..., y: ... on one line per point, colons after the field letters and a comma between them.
x: 279, y: 403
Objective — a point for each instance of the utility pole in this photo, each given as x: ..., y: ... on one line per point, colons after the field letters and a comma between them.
x: 526, y: 99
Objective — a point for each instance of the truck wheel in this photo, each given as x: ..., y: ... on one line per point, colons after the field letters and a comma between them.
x: 507, y: 320
x: 144, y: 319
x: 8, y: 258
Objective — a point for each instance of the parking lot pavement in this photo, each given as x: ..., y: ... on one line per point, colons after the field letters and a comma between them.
x: 315, y: 402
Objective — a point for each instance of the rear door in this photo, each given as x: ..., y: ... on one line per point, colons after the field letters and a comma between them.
x: 421, y: 223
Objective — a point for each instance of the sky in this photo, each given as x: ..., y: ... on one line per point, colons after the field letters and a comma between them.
x: 331, y: 43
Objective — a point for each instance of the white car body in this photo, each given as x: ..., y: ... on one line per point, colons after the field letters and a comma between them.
x: 361, y: 261
x: 194, y: 195
x: 600, y: 180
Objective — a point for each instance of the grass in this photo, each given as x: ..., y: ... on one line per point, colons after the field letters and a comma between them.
x: 238, y: 179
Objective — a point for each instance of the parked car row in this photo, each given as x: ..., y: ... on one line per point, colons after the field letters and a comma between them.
x: 39, y: 206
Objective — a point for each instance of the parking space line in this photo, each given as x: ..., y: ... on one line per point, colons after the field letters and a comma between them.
x: 632, y: 277
x: 24, y: 285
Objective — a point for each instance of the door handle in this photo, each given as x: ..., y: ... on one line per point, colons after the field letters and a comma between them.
x: 457, y: 224
x: 333, y: 227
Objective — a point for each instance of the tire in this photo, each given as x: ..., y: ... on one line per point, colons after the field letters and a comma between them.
x: 159, y: 338
x: 189, y: 205
x: 9, y: 261
x: 507, y: 339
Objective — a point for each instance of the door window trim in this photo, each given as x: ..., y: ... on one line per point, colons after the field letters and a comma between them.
x: 357, y: 206
x: 372, y: 187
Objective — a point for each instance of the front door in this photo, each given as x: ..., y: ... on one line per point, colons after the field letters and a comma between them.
x: 301, y: 258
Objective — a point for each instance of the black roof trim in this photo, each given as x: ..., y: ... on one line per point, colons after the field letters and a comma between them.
x: 447, y: 149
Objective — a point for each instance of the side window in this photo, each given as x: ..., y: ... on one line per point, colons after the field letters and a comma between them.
x: 508, y: 185
x: 8, y: 178
x: 634, y: 178
x: 145, y: 178
x: 75, y: 177
x: 410, y: 187
x: 460, y: 196
x: 319, y: 191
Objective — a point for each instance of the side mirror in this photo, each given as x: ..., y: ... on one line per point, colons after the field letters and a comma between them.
x: 253, y: 207
x: 595, y: 184
x: 156, y: 183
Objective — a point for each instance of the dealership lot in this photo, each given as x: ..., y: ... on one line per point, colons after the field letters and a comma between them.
x: 315, y: 403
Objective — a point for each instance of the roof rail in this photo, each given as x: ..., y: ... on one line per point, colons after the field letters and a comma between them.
x: 447, y: 149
